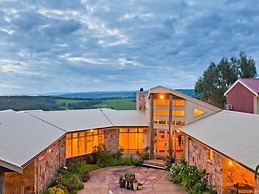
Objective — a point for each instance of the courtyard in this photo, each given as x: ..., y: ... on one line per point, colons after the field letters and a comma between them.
x: 155, y: 181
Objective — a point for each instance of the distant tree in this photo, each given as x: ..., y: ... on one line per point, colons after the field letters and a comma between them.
x: 217, y: 79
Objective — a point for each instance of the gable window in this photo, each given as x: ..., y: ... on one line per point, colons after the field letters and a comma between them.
x: 197, y: 112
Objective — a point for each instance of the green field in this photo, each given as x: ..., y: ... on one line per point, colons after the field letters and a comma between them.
x: 47, y: 103
x: 68, y: 100
x: 118, y: 104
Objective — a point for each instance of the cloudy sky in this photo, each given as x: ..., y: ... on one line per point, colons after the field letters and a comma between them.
x: 102, y: 45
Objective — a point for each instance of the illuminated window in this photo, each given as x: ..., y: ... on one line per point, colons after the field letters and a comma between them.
x: 210, y: 155
x: 161, y: 102
x: 197, y: 112
x: 83, y: 142
x: 178, y: 102
x: 180, y: 123
x: 131, y: 141
x: 178, y: 113
x: 161, y: 112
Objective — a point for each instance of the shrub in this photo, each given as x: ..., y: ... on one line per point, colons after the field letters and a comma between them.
x: 55, y: 190
x: 71, y: 182
x: 191, y: 178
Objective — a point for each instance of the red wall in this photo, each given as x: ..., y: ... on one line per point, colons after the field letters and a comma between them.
x: 241, y: 99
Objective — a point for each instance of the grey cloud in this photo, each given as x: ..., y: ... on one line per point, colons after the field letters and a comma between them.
x: 118, y: 45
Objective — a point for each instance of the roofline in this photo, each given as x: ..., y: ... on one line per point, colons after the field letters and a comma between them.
x: 218, y: 151
x: 240, y: 81
x: 11, y: 166
x: 186, y: 97
x: 111, y: 127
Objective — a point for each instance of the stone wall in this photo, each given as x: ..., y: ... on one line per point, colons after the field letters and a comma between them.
x: 199, y: 156
x: 223, y: 172
x: 48, y: 163
x: 141, y: 100
x: 111, y: 139
x: 20, y: 183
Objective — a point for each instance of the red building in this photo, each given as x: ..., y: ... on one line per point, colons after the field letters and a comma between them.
x: 242, y: 96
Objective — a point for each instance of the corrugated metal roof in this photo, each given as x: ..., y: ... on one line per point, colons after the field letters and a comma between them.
x: 233, y: 134
x: 126, y: 118
x: 75, y: 120
x: 22, y: 137
x: 251, y: 84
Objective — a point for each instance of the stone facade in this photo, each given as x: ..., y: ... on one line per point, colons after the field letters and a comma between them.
x: 48, y: 163
x: 222, y: 172
x: 141, y: 98
x: 111, y: 139
x: 199, y: 156
x: 20, y: 183
x: 37, y: 174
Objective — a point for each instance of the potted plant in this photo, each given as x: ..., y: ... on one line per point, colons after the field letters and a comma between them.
x: 86, y: 177
x: 127, y: 179
x: 135, y: 184
x: 122, y: 182
x: 140, y: 186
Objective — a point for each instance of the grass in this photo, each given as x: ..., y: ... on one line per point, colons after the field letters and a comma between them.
x: 67, y: 101
x: 118, y: 104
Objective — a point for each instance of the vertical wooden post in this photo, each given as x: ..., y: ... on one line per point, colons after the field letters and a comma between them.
x: 170, y: 125
x: 151, y: 123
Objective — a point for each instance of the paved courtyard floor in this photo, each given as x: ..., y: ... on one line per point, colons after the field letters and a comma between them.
x: 155, y: 181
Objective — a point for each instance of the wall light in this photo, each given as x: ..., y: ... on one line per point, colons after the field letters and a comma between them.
x: 230, y: 163
x: 161, y: 96
x: 92, y: 130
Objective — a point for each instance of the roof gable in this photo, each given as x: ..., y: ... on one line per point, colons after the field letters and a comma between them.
x: 162, y: 89
x: 249, y: 83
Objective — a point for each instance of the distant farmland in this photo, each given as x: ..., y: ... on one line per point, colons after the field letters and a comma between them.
x: 47, y: 103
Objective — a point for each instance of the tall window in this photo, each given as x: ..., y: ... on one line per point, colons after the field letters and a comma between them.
x: 81, y: 143
x: 131, y: 140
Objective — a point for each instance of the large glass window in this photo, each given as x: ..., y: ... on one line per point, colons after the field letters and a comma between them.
x: 81, y: 143
x: 131, y: 140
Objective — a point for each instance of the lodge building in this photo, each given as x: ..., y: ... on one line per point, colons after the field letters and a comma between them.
x: 34, y: 144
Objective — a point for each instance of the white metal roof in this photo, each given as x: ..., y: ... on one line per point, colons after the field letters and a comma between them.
x: 75, y: 120
x: 22, y: 137
x: 233, y: 134
x: 120, y: 118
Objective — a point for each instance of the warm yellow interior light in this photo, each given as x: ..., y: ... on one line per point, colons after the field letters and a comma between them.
x: 230, y: 163
x: 92, y: 130
x: 161, y: 96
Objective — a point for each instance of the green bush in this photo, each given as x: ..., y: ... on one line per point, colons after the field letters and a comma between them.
x: 191, y: 178
x: 71, y: 182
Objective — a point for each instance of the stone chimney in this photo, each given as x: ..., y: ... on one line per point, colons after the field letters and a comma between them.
x: 141, y: 98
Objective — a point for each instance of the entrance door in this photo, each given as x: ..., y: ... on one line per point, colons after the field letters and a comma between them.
x: 161, y: 143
